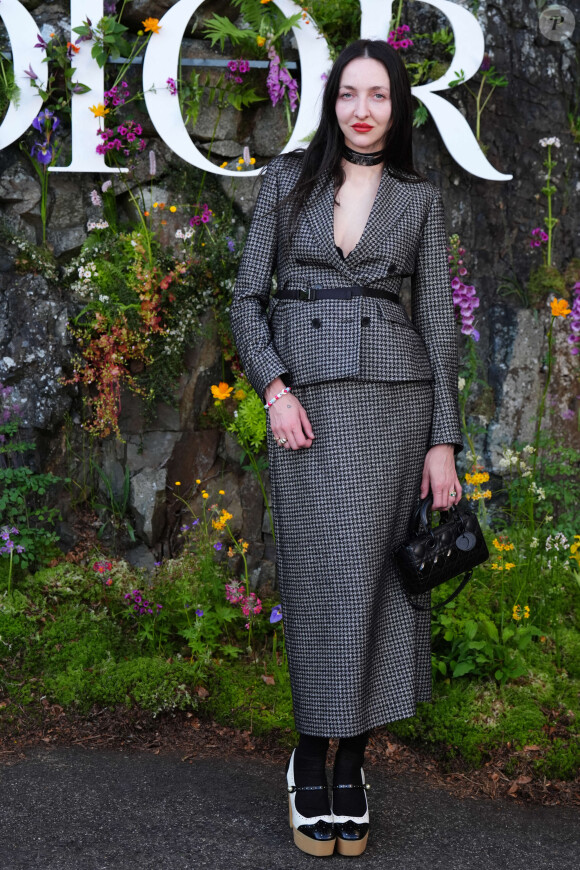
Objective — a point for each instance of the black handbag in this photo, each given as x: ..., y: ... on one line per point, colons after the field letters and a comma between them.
x: 433, y: 555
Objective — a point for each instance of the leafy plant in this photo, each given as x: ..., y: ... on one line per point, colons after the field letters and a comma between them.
x: 26, y: 520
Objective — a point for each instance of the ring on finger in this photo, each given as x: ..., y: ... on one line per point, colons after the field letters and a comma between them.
x: 282, y: 440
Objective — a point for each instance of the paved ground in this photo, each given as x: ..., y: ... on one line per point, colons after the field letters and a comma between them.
x: 72, y: 809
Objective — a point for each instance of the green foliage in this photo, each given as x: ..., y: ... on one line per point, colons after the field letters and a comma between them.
x: 544, y: 280
x: 108, y: 37
x: 223, y: 92
x: 338, y: 20
x: 264, y: 20
x: 241, y: 698
x: 9, y: 90
x: 150, y: 683
x: 479, y: 648
x: 249, y: 425
x: 24, y: 495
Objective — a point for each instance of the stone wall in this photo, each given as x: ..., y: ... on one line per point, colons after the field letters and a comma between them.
x: 493, y: 220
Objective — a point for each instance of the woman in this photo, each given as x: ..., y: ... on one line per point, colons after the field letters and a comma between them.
x: 362, y: 420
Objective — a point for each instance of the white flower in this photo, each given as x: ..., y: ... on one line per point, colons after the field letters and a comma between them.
x: 527, y: 472
x: 553, y: 140
x: 106, y: 185
x: 178, y: 234
x: 103, y: 298
x: 95, y: 198
x: 534, y: 543
x: 529, y: 448
x: 461, y: 384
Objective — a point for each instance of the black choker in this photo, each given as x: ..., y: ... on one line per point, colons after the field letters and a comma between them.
x: 362, y: 159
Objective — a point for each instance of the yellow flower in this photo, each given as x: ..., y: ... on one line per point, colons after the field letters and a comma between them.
x: 260, y: 40
x: 226, y: 515
x: 197, y: 480
x: 221, y: 492
x: 222, y: 391
x: 224, y: 164
x: 516, y: 612
x: 560, y: 307
x: 177, y: 483
x: 218, y: 524
x: 263, y: 2
x: 252, y: 160
x: 486, y: 494
x: 230, y: 552
x: 100, y: 110
x: 509, y: 565
x: 239, y: 395
x: 155, y: 204
x: 172, y: 208
x: 204, y: 494
x: 526, y: 612
x: 152, y: 25
x: 238, y: 168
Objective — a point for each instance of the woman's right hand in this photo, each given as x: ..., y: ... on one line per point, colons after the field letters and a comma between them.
x: 288, y: 419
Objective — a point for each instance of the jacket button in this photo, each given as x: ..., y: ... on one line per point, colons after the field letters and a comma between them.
x: 365, y: 321
x: 316, y: 323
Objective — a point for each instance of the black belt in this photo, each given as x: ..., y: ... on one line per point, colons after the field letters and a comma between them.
x: 310, y: 294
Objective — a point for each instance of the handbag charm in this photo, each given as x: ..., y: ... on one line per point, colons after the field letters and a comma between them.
x: 433, y: 555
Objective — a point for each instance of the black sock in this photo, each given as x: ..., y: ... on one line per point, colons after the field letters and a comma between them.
x: 347, y: 771
x: 310, y: 769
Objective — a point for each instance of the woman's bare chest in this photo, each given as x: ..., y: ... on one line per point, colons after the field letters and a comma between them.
x: 352, y: 211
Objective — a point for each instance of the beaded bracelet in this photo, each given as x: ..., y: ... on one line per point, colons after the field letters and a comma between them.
x: 273, y: 399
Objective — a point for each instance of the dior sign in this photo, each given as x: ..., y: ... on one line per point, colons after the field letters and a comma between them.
x: 161, y: 61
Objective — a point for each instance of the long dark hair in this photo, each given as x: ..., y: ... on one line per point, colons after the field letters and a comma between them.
x: 324, y: 153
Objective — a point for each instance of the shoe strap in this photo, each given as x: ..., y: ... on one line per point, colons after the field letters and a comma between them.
x: 293, y: 788
x: 366, y: 786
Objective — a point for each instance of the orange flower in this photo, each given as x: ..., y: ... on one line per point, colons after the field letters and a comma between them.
x: 260, y: 40
x: 151, y: 24
x: 100, y: 110
x: 222, y: 391
x: 73, y: 47
x: 560, y: 307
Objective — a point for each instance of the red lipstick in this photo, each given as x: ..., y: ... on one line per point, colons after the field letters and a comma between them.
x: 362, y: 128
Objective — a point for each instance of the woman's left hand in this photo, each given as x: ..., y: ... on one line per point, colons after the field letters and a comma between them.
x: 440, y: 477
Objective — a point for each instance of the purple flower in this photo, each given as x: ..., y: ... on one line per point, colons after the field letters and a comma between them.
x: 574, y: 318
x: 485, y: 63
x: 30, y: 73
x: 231, y: 244
x: 172, y: 86
x: 218, y: 546
x: 41, y: 43
x: 276, y: 614
x: 42, y: 152
x: 110, y: 7
x: 199, y: 612
x: 568, y: 414
x: 243, y: 66
x: 233, y: 65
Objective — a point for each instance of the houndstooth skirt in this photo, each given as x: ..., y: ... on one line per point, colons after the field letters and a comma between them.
x: 358, y: 653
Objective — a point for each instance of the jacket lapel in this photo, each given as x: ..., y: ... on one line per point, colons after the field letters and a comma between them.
x: 320, y: 214
x: 390, y: 203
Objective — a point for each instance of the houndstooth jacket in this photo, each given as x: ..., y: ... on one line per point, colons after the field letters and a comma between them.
x: 373, y: 339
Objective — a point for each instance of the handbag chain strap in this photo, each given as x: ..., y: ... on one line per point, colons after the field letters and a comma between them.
x: 462, y: 585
